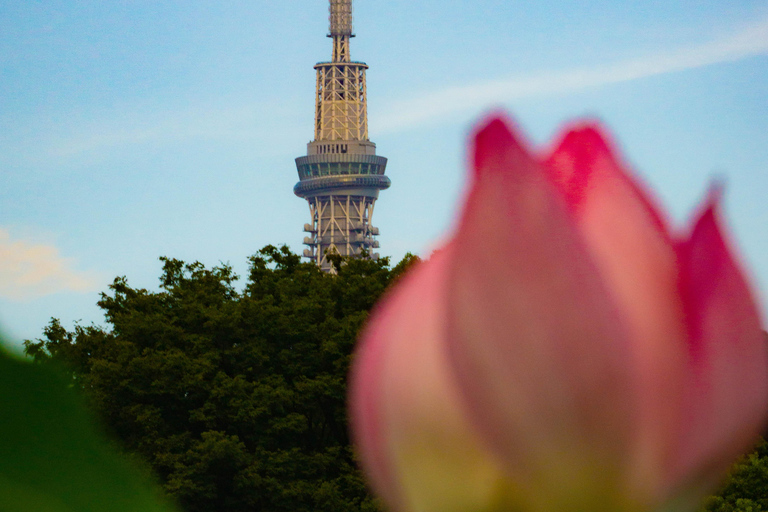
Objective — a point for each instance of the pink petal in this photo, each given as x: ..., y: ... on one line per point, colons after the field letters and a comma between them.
x: 366, y: 422
x: 629, y: 242
x: 540, y: 350
x: 415, y: 440
x: 582, y: 161
x: 728, y: 388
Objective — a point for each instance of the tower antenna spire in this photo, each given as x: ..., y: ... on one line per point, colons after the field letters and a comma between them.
x: 340, y: 20
x: 341, y: 176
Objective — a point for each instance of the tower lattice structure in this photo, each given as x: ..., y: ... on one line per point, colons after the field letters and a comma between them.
x: 341, y: 176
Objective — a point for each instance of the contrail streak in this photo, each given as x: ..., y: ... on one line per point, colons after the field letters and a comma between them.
x: 433, y: 106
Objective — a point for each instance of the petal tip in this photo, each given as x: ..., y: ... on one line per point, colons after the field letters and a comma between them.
x: 715, y: 194
x: 585, y: 142
x: 571, y: 163
x: 707, y: 218
x: 494, y: 140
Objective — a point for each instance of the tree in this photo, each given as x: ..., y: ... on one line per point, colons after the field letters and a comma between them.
x: 746, y: 488
x: 235, y: 398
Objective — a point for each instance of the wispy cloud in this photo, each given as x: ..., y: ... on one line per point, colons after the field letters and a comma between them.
x: 748, y: 42
x: 206, y: 124
x: 29, y: 270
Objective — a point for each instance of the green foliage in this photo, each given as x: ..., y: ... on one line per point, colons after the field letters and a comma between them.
x: 235, y: 399
x: 746, y: 489
x: 52, y: 458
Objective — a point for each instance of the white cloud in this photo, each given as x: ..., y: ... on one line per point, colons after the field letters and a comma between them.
x: 29, y: 270
x: 748, y: 42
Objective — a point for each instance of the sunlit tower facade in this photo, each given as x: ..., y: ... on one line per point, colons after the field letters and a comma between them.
x: 341, y: 175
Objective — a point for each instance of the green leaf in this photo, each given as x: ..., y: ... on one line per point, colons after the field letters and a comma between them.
x: 52, y: 457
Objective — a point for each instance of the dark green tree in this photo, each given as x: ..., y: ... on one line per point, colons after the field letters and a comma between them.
x: 236, y: 399
x: 746, y: 488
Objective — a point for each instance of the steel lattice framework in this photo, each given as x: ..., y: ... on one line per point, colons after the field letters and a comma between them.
x: 340, y: 106
x: 341, y: 176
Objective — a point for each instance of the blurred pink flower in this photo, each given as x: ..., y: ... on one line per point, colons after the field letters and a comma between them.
x: 564, y: 350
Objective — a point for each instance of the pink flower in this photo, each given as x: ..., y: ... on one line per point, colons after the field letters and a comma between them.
x: 564, y: 350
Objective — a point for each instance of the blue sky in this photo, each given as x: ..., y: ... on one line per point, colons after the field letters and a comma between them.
x: 131, y: 130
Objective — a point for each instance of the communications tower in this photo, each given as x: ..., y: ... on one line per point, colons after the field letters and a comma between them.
x: 341, y: 176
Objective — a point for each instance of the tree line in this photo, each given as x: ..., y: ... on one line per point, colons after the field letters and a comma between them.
x: 234, y: 398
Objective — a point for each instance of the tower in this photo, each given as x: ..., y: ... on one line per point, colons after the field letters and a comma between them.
x: 341, y: 176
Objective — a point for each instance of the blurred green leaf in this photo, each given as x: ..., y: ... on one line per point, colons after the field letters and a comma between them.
x: 52, y: 457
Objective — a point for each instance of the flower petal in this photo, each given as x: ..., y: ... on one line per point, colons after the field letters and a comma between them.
x: 728, y: 387
x: 417, y: 443
x: 366, y: 422
x: 630, y: 244
x: 541, y: 352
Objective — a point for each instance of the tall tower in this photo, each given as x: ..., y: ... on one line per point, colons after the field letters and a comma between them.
x: 341, y: 175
